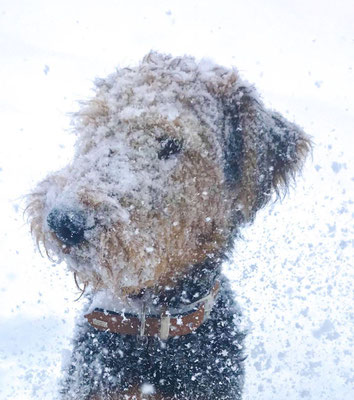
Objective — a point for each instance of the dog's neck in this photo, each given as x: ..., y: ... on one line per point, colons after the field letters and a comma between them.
x: 190, y: 288
x: 193, y: 285
x: 173, y: 312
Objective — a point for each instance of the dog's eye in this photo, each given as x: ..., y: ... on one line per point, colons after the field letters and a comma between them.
x: 168, y: 148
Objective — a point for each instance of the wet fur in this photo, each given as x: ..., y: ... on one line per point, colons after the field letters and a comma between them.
x: 235, y: 155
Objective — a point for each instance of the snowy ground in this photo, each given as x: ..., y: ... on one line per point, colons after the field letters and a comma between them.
x: 293, y: 272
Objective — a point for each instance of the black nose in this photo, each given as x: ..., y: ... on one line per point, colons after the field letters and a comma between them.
x: 68, y: 225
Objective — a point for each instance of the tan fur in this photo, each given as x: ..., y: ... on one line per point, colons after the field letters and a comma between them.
x: 184, y: 244
x: 188, y: 217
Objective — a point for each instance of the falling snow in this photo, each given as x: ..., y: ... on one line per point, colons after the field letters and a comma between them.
x: 292, y: 273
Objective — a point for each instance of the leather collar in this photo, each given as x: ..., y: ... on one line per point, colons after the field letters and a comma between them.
x: 164, y: 326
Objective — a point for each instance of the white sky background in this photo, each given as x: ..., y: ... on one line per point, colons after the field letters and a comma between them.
x: 293, y: 272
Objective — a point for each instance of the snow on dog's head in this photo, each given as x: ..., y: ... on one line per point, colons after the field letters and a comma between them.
x: 172, y: 157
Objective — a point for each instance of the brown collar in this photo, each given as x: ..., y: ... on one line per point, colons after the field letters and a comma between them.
x: 163, y: 326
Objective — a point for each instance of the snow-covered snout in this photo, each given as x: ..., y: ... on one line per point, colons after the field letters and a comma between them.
x: 172, y: 157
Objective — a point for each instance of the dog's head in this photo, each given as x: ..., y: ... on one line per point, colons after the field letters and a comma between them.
x: 172, y: 157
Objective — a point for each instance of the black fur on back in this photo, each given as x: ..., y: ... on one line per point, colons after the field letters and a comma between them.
x: 205, y: 364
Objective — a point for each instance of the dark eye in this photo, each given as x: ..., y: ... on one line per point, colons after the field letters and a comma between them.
x: 168, y: 148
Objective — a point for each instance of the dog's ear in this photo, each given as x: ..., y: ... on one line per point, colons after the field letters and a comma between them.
x: 263, y: 150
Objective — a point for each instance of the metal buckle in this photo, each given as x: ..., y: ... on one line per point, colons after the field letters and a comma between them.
x: 142, y: 320
x: 165, y: 319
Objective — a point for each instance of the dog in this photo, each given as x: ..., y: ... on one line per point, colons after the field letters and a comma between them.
x: 173, y: 157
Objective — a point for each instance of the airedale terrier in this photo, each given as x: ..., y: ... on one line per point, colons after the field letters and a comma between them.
x: 172, y: 158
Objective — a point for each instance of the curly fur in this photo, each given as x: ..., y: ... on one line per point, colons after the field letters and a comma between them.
x: 172, y: 158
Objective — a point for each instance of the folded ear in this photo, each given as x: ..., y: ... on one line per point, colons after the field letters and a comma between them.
x: 263, y: 150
